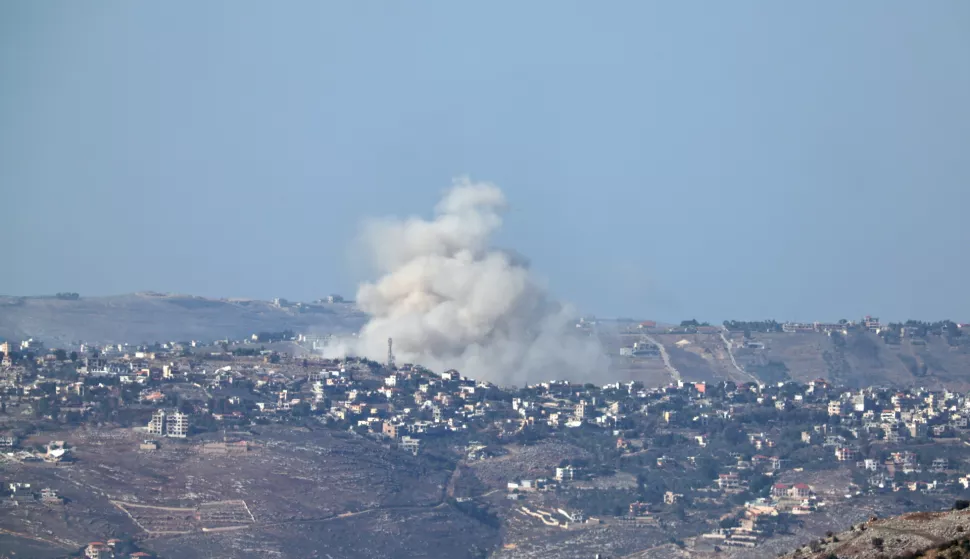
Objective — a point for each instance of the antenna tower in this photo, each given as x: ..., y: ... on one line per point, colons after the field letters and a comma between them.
x: 390, y: 353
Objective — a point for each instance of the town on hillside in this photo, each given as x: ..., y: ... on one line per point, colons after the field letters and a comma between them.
x: 127, y: 450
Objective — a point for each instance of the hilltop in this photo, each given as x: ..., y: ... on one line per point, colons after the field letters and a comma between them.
x: 855, y: 358
x: 149, y: 316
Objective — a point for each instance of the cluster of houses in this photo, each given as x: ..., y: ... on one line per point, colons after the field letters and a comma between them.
x: 407, y: 405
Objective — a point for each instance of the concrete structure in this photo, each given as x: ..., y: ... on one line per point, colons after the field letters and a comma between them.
x: 565, y: 473
x: 156, y: 426
x: 671, y: 498
x: 410, y: 444
x: 177, y: 425
x: 729, y: 482
x: 846, y: 454
x: 170, y: 424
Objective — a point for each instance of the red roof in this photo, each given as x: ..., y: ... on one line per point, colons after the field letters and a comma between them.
x: 801, y: 486
x: 780, y: 486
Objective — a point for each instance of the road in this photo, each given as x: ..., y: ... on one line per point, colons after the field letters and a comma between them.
x: 674, y: 373
x: 730, y: 350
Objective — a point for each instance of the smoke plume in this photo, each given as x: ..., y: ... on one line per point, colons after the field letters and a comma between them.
x: 451, y: 301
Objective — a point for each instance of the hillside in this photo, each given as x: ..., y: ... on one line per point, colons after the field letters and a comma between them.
x: 918, y: 534
x: 295, y: 493
x: 857, y: 360
x: 148, y: 317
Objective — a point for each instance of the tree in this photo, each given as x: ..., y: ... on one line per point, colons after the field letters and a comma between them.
x: 60, y: 355
x: 74, y: 357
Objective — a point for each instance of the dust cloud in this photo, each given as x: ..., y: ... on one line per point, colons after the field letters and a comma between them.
x: 451, y: 301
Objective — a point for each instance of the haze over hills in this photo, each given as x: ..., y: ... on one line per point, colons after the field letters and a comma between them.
x: 149, y: 317
x: 857, y: 359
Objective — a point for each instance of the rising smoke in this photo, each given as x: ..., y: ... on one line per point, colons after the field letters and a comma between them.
x: 450, y: 301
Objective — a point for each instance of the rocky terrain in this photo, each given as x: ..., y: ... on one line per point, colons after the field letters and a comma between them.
x: 918, y: 534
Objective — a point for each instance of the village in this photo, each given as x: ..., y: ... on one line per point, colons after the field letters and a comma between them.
x: 736, y: 462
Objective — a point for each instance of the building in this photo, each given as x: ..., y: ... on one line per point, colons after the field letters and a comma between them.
x: 177, y: 425
x: 50, y: 497
x: 565, y: 473
x: 800, y: 491
x: 638, y: 509
x: 170, y: 424
x: 917, y: 429
x: 410, y: 444
x: 97, y: 550
x: 390, y: 430
x: 835, y: 407
x: 846, y: 454
x: 729, y: 482
x: 671, y: 498
x: 156, y: 426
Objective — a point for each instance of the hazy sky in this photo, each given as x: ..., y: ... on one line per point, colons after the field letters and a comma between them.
x: 662, y: 160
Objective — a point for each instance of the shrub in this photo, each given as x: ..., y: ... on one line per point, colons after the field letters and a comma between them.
x: 961, y: 504
x: 877, y: 543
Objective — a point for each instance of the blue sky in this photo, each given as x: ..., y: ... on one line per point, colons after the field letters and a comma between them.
x: 662, y: 160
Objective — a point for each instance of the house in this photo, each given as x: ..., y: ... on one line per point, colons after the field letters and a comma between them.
x: 671, y: 498
x: 800, y: 491
x: 780, y: 490
x: 728, y: 482
x: 390, y: 430
x: 97, y: 550
x: 410, y: 444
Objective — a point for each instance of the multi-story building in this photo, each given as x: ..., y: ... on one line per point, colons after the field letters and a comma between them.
x: 565, y: 473
x: 390, y: 430
x: 728, y: 482
x: 169, y: 424
x: 156, y: 426
x: 846, y: 454
x: 177, y: 425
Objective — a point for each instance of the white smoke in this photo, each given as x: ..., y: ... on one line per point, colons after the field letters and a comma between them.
x: 450, y: 301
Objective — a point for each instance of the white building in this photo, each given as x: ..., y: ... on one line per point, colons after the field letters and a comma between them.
x: 171, y: 424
